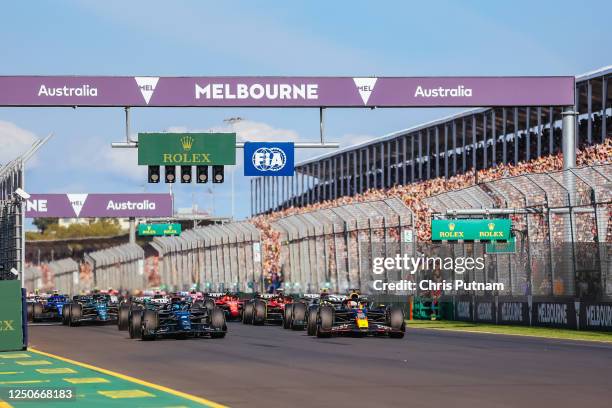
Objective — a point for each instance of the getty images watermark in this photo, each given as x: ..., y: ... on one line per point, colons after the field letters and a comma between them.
x: 437, y: 273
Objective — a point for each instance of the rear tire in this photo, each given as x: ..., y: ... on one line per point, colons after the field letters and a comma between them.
x: 397, y: 323
x: 209, y: 303
x: 76, y: 311
x: 299, y: 315
x: 311, y: 325
x: 325, y: 322
x: 135, y: 325
x: 217, y: 322
x: 288, y: 316
x: 259, y: 312
x: 123, y: 317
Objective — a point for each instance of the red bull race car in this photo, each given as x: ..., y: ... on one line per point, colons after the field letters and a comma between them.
x: 354, y: 315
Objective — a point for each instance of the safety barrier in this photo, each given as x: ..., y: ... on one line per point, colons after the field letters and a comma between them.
x: 212, y: 258
x: 333, y: 247
x: 120, y: 267
x: 563, y: 234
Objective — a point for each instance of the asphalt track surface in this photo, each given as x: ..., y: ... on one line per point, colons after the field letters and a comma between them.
x: 271, y: 367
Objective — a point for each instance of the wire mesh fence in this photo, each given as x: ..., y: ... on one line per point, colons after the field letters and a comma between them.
x: 211, y: 258
x: 562, y: 231
x: 332, y: 248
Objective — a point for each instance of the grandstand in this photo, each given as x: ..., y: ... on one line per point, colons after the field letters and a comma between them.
x: 472, y: 140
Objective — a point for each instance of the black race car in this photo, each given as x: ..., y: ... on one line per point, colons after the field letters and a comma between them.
x: 96, y: 308
x: 354, y: 315
x: 179, y: 318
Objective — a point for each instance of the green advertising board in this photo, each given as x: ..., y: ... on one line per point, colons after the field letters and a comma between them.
x: 186, y: 149
x: 11, y: 314
x: 159, y: 230
x: 471, y: 230
x: 508, y: 247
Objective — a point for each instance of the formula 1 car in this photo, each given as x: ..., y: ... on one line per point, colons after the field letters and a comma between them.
x: 266, y: 308
x: 355, y: 315
x: 48, y: 308
x: 96, y: 308
x: 137, y: 304
x: 232, y: 306
x: 179, y: 318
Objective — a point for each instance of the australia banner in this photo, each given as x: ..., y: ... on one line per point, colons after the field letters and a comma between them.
x: 98, y: 205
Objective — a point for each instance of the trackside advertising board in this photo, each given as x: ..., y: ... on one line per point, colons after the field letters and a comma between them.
x: 471, y: 230
x: 596, y: 316
x: 269, y: 159
x: 98, y: 205
x: 11, y: 314
x: 252, y: 91
x: 554, y: 314
x: 159, y: 230
x: 186, y: 149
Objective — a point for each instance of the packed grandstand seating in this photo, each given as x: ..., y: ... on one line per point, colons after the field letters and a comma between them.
x: 413, y: 195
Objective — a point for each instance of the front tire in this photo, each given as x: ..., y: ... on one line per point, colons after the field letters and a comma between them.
x: 217, y: 322
x: 135, y: 325
x: 76, y: 311
x: 288, y: 316
x: 37, y: 311
x: 66, y: 315
x: 259, y: 312
x: 325, y: 322
x: 30, y: 311
x: 299, y: 315
x: 123, y: 317
x: 150, y: 324
x: 397, y: 323
x: 247, y: 314
x: 311, y: 325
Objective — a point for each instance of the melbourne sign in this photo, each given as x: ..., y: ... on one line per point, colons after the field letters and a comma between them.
x: 268, y: 159
x: 186, y: 149
x: 159, y: 230
x: 98, y: 205
x: 471, y: 230
x: 285, y: 91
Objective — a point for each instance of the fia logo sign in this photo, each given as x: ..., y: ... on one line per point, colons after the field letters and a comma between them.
x: 268, y: 159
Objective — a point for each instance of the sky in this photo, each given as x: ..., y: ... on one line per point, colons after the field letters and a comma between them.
x: 200, y: 38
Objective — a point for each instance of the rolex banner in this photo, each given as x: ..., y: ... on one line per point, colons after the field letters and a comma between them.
x: 11, y: 314
x: 186, y: 149
x: 471, y: 230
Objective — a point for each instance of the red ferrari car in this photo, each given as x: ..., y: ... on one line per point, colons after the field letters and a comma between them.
x: 232, y: 305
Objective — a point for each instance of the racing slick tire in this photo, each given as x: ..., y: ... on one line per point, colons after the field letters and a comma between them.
x: 396, y: 322
x: 288, y: 316
x: 135, y: 324
x: 123, y: 317
x: 247, y: 314
x: 150, y: 323
x: 66, y: 315
x: 325, y: 322
x: 298, y: 317
x: 209, y: 303
x: 76, y: 311
x: 30, y: 311
x: 259, y: 312
x: 37, y: 311
x: 311, y: 324
x: 217, y: 322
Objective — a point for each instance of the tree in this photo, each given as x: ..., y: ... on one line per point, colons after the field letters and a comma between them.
x: 43, y: 223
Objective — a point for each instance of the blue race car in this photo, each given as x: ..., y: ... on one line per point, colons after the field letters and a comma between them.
x: 47, y: 308
x: 179, y: 318
x: 97, y: 308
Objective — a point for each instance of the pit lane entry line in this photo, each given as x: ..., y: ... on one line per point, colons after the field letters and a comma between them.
x: 132, y: 379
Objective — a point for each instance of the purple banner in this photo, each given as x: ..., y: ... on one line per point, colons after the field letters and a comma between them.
x: 286, y: 91
x: 98, y: 205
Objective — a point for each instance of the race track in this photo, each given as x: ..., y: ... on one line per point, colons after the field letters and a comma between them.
x: 271, y: 367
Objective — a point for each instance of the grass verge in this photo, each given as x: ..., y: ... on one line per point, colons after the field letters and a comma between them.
x: 543, y: 332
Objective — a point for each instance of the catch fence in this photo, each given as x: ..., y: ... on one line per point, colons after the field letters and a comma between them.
x: 562, y: 226
x: 334, y: 247
x: 212, y: 258
x: 120, y: 268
